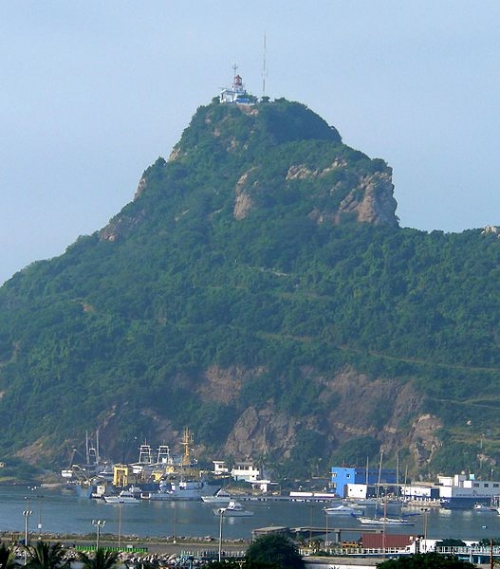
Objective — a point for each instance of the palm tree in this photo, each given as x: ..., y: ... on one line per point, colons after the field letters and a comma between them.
x: 102, y: 559
x: 46, y: 556
x: 7, y: 559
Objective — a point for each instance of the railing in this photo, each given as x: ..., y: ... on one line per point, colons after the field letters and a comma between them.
x: 357, y: 551
x: 212, y: 554
x: 124, y: 549
x: 470, y: 550
x: 458, y: 551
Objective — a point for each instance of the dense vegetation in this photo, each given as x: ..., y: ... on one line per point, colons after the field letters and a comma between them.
x: 274, y: 550
x: 129, y: 318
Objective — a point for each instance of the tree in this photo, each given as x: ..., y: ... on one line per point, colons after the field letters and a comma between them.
x: 7, y: 558
x: 426, y: 561
x: 43, y: 555
x: 274, y: 550
x: 102, y: 559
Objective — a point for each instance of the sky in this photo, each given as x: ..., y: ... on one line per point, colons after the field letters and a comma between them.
x: 93, y: 92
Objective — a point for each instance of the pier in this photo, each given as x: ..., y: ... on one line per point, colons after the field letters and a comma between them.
x: 313, y: 531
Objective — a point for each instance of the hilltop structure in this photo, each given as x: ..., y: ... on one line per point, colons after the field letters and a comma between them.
x: 236, y: 93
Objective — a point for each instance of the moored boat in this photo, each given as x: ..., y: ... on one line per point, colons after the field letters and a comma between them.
x: 124, y: 497
x: 221, y: 497
x: 343, y: 510
x: 484, y: 508
x: 384, y: 521
x: 183, y: 489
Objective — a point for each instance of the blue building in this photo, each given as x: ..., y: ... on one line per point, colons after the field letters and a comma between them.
x: 343, y: 476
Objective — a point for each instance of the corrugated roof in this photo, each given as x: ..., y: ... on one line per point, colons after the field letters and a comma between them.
x: 377, y: 540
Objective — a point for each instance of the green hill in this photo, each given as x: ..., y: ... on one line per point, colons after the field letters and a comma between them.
x: 259, y: 290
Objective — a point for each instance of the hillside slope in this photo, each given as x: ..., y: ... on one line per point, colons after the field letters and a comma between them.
x: 259, y: 290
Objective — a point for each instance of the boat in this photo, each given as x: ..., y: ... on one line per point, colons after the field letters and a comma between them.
x: 221, y: 497
x: 233, y: 510
x: 384, y: 521
x: 182, y: 489
x: 479, y: 507
x: 343, y: 510
x: 186, y: 483
x: 124, y: 497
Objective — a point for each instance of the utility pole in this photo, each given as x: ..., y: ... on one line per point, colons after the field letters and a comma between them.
x: 221, y: 523
x: 98, y: 524
x: 26, y: 514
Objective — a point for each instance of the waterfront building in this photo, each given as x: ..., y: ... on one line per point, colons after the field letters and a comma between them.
x: 245, y: 470
x: 344, y: 478
x: 464, y: 491
x: 420, y: 492
x: 220, y: 468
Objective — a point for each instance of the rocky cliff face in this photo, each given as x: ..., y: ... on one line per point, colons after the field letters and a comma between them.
x: 347, y: 187
x: 371, y: 200
x: 388, y: 412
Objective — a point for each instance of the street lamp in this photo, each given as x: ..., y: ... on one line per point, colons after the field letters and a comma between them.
x: 426, y: 525
x: 221, y: 512
x: 40, y: 515
x: 26, y: 514
x: 98, y: 524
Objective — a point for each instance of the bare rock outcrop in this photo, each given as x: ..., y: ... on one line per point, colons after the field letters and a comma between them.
x: 372, y: 201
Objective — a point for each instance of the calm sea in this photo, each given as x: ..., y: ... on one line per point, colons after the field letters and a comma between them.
x: 64, y: 513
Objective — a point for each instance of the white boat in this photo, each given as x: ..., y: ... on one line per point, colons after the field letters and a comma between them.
x: 124, y: 497
x: 233, y: 510
x: 384, y: 521
x: 343, y: 510
x: 221, y: 497
x: 182, y: 489
x: 484, y: 508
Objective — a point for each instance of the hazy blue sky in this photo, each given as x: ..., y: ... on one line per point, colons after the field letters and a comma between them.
x: 93, y: 92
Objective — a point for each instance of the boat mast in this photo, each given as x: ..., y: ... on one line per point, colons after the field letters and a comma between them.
x: 97, y: 453
x: 379, y: 473
x: 87, y: 454
x: 186, y: 443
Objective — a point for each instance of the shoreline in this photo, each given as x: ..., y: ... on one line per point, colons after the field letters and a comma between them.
x: 167, y: 545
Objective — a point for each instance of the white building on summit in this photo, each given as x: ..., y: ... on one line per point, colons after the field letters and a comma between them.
x: 236, y: 93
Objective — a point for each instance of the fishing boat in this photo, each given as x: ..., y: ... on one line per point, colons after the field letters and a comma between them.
x: 384, y: 521
x: 183, y: 483
x: 182, y: 489
x: 233, y: 510
x: 221, y: 497
x: 343, y: 510
x: 124, y: 497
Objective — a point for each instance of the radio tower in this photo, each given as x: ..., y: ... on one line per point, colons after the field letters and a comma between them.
x: 264, y: 69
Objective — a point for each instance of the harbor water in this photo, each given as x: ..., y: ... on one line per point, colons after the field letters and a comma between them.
x: 58, y: 512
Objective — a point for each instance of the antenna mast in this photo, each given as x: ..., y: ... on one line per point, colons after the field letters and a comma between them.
x: 264, y: 69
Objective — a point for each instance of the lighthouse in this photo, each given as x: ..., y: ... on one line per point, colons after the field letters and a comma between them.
x: 236, y: 94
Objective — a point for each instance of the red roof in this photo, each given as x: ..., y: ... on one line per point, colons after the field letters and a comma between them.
x: 378, y: 540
